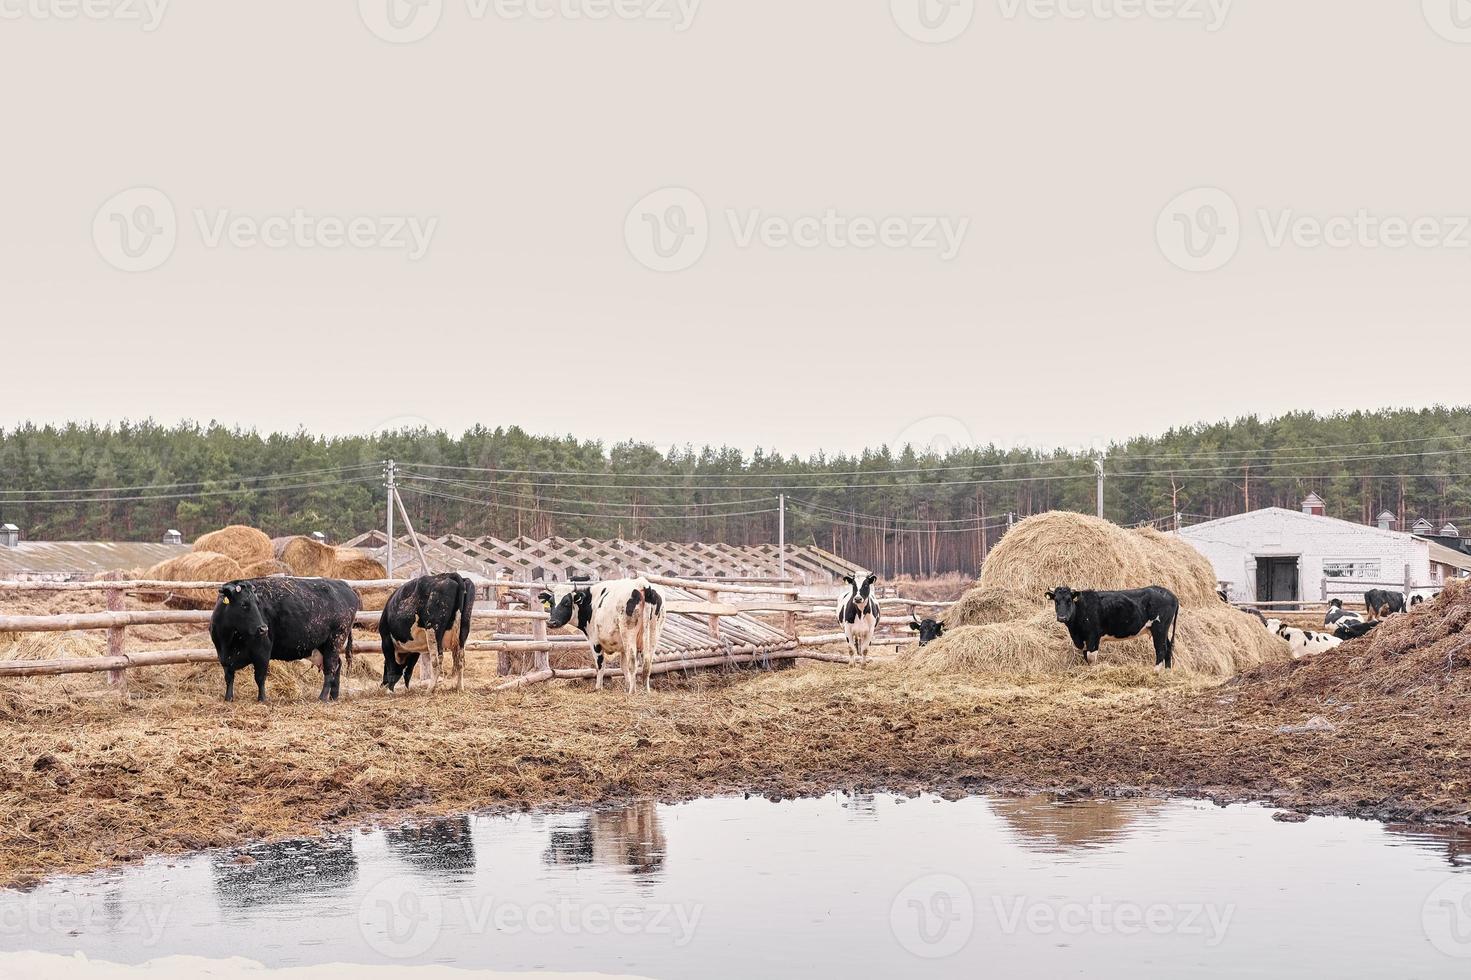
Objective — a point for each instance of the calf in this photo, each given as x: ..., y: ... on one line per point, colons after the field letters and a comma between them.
x: 1305, y: 643
x: 259, y: 620
x: 1353, y: 630
x: 929, y: 630
x: 1091, y: 616
x: 1381, y: 604
x: 1337, y: 615
x: 859, y: 613
x: 624, y: 616
x: 426, y: 607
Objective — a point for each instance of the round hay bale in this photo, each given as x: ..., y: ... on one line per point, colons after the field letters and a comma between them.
x: 352, y: 565
x: 267, y: 568
x: 1064, y: 548
x: 307, y: 558
x: 244, y: 544
x: 1210, y: 641
x: 986, y: 607
x: 196, y: 566
x: 1175, y: 564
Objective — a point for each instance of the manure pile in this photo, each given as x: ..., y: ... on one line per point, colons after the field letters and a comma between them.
x: 1007, y: 626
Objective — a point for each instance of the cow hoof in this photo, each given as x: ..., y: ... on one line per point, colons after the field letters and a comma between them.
x: 1090, y: 658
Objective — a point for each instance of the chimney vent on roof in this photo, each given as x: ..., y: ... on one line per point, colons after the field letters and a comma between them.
x: 1387, y: 521
x: 1313, y: 504
x: 1450, y: 531
x: 319, y: 537
x: 9, y: 536
x: 171, y: 536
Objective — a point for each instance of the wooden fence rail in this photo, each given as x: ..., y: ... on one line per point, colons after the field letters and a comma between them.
x: 691, y: 651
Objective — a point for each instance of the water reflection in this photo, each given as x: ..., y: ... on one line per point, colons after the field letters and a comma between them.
x: 267, y: 874
x: 1451, y: 843
x: 1049, y: 825
x: 437, y: 846
x: 629, y: 839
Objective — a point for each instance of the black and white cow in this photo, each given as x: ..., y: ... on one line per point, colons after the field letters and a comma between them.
x: 1352, y: 630
x: 929, y: 630
x: 432, y: 607
x: 622, y: 616
x: 259, y: 620
x: 1338, y: 615
x: 859, y: 613
x: 1381, y: 604
x: 1091, y: 617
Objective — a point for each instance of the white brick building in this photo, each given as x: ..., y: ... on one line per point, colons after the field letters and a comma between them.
x: 1278, y: 555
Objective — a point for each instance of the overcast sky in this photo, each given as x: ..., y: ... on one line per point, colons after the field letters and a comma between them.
x: 811, y: 225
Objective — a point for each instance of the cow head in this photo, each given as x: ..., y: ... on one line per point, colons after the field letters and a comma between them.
x: 1065, y: 603
x: 239, y: 610
x: 860, y: 590
x: 1335, y: 604
x: 563, y: 604
x: 928, y: 629
x: 1416, y: 600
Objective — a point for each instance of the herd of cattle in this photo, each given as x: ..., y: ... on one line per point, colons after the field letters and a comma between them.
x: 256, y: 621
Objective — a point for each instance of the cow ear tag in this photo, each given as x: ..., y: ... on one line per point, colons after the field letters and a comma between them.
x: 225, y: 599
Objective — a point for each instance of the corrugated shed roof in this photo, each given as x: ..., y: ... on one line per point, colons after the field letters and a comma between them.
x: 81, y: 559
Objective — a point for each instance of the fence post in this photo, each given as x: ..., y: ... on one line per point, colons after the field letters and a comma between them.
x: 118, y: 677
x: 1409, y: 581
x: 1325, y: 588
x: 714, y: 596
x: 542, y: 659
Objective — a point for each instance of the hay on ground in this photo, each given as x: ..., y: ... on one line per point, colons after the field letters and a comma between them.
x: 1175, y: 564
x: 986, y: 607
x: 245, y: 545
x: 307, y: 558
x: 196, y: 566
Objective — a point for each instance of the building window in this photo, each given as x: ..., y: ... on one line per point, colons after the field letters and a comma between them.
x: 1363, y: 569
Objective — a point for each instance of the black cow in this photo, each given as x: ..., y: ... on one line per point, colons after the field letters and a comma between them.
x: 1352, y: 630
x: 1090, y: 616
x: 259, y: 620
x: 929, y: 630
x: 427, y: 606
x: 1381, y: 604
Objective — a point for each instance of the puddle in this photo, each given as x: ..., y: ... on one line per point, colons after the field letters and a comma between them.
x: 859, y: 886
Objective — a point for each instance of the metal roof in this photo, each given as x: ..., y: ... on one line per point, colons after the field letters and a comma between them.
x: 81, y: 559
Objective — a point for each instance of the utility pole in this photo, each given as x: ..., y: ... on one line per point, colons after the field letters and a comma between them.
x: 1098, y: 466
x: 389, y: 469
x: 1010, y: 520
x: 781, y: 533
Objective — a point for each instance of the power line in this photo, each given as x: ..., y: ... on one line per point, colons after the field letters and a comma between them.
x: 185, y: 496
x: 587, y: 516
x: 204, y: 483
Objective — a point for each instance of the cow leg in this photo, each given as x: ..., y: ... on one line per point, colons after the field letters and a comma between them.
x: 597, y: 652
x: 342, y: 683
x: 330, y: 667
x: 1090, y: 653
x: 229, y: 683
x: 262, y: 667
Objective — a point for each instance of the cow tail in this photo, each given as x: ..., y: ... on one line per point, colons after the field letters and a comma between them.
x: 1175, y: 625
x: 466, y: 602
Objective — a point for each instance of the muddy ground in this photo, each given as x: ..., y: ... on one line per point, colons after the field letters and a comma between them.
x: 99, y: 780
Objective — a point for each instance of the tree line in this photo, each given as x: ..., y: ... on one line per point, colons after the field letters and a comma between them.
x: 894, y: 509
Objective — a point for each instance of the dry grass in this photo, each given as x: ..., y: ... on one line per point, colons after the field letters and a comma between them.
x: 987, y: 606
x: 306, y: 557
x: 1175, y: 564
x: 1064, y: 548
x: 244, y: 544
x: 266, y: 568
x: 196, y: 566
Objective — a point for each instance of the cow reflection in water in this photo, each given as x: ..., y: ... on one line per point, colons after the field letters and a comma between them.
x: 1451, y: 843
x: 438, y: 846
x: 1045, y: 823
x: 269, y: 874
x: 629, y: 839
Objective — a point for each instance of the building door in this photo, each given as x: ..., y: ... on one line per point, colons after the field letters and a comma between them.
x: 1277, y: 580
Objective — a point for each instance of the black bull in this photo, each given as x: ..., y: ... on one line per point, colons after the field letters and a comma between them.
x: 259, y: 620
x: 1090, y: 616
x: 429, y: 603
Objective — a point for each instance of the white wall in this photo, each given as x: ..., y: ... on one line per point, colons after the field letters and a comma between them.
x: 1233, y: 544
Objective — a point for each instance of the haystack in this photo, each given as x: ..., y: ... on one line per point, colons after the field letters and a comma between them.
x: 1063, y: 548
x: 267, y: 568
x: 986, y: 607
x: 1175, y: 564
x: 196, y: 566
x: 307, y: 557
x: 353, y: 565
x: 245, y: 545
x: 1212, y: 641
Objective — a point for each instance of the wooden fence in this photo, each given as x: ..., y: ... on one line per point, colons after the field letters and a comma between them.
x: 701, y: 629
